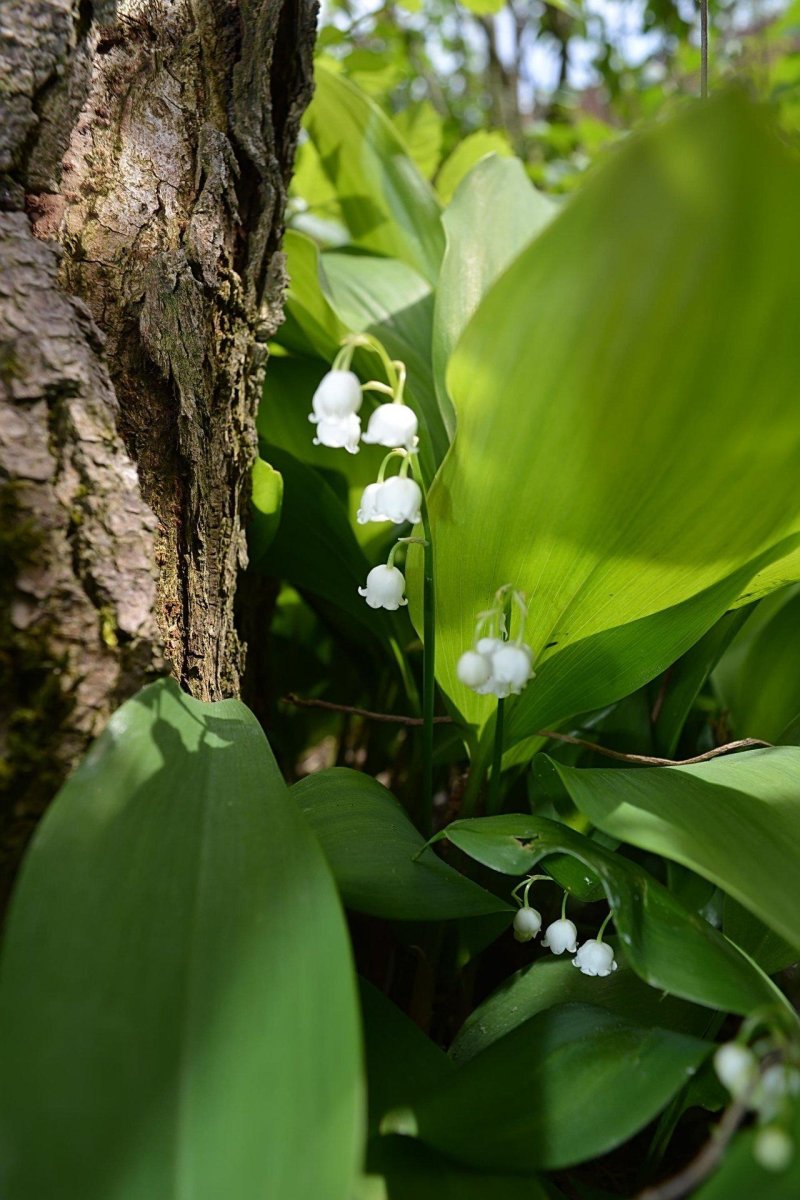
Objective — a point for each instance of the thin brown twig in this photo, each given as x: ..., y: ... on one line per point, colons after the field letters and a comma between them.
x: 647, y: 760
x: 650, y: 760
x: 351, y: 710
x: 705, y: 1161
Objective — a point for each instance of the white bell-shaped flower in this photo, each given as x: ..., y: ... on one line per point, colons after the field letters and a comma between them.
x: 778, y: 1083
x: 338, y: 395
x: 385, y: 587
x: 773, y: 1148
x: 486, y: 647
x: 511, y: 667
x: 370, y: 509
x: 339, y: 433
x: 400, y: 500
x: 595, y: 958
x: 473, y: 669
x: 527, y: 924
x: 736, y: 1067
x: 392, y: 425
x: 560, y: 936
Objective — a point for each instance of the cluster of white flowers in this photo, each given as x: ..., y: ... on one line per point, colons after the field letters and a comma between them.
x: 337, y: 402
x: 496, y: 666
x: 593, y: 957
x: 335, y: 407
x: 769, y: 1091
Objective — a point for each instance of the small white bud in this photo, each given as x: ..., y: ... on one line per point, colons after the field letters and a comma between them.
x: 385, y: 587
x: 595, y: 958
x: 777, y: 1084
x: 338, y: 395
x: 473, y: 669
x: 736, y: 1067
x: 560, y: 936
x: 392, y: 425
x: 773, y: 1148
x: 527, y: 924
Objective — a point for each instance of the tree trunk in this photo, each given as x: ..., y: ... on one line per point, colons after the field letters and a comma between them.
x: 145, y: 149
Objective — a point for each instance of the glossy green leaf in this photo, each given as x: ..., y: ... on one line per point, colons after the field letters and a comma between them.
x: 668, y: 946
x: 566, y: 1085
x: 177, y: 1005
x: 627, y: 432
x: 401, y: 1169
x: 734, y: 820
x: 494, y: 214
x: 758, y: 679
x: 552, y: 981
x: 388, y: 207
x: 686, y: 678
x: 771, y: 952
x: 467, y: 153
x: 371, y: 846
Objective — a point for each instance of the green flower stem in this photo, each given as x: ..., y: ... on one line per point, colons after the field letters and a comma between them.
x: 428, y: 670
x: 564, y: 906
x: 493, y: 799
x: 599, y: 937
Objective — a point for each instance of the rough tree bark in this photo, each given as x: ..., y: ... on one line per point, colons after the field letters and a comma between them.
x: 145, y: 149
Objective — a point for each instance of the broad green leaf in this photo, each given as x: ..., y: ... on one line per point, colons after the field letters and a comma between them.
x: 552, y: 981
x: 767, y: 948
x: 267, y: 499
x: 668, y: 946
x: 178, y: 1006
x: 371, y: 845
x: 402, y: 1169
x: 627, y: 431
x: 758, y: 678
x: 387, y: 205
x: 420, y: 127
x: 568, y: 1084
x: 686, y: 678
x: 466, y: 154
x: 484, y: 8
x: 311, y: 325
x: 607, y: 666
x: 389, y: 299
x: 494, y: 214
x: 734, y: 820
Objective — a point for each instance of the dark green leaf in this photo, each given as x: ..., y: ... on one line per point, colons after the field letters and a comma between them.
x: 371, y: 846
x: 178, y: 1003
x: 566, y: 1085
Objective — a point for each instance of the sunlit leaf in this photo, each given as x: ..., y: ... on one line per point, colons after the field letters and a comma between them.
x: 734, y: 820
x: 178, y: 1003
x: 627, y: 428
x: 667, y: 945
x: 493, y: 215
x: 387, y: 205
x: 466, y: 154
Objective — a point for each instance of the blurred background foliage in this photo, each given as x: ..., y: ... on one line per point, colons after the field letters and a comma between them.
x: 551, y: 83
